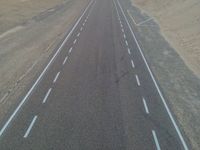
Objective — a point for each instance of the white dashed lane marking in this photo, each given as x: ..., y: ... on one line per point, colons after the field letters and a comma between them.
x: 46, y: 96
x: 75, y: 41
x: 30, y: 127
x: 65, y: 60
x: 156, y: 140
x: 128, y: 49
x: 56, y: 77
x: 145, y: 105
x: 124, y: 36
x: 126, y: 43
x: 132, y: 63
x: 137, y: 79
x: 70, y: 50
x: 81, y: 28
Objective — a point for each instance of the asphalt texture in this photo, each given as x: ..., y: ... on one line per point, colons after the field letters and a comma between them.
x: 96, y: 93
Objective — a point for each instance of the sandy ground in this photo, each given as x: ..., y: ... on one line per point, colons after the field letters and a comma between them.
x: 30, y: 31
x: 14, y: 12
x: 180, y: 22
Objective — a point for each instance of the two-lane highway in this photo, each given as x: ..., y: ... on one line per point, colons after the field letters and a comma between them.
x: 96, y: 92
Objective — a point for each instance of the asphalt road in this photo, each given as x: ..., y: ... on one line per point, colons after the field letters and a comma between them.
x: 96, y: 92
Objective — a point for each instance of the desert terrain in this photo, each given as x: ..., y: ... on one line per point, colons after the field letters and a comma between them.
x: 179, y: 21
x: 15, y: 12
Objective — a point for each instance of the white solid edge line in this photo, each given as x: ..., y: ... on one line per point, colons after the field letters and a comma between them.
x: 155, y: 83
x: 145, y: 105
x: 30, y: 127
x: 132, y: 63
x: 156, y: 140
x: 137, y: 79
x: 46, y: 96
x: 56, y: 77
x: 41, y: 75
x: 65, y: 60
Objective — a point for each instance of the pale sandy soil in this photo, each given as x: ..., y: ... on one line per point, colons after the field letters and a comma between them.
x: 29, y: 32
x: 13, y: 12
x: 180, y: 22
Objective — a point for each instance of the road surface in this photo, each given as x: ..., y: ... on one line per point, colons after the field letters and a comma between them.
x: 96, y: 92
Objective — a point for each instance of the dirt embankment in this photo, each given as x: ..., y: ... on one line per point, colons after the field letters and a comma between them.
x: 29, y: 32
x: 180, y: 22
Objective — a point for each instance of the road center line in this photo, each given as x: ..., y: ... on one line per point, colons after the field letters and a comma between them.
x: 145, y: 105
x: 46, y: 96
x: 30, y: 127
x: 132, y: 63
x: 56, y: 77
x: 65, y: 60
x: 137, y: 79
x: 156, y: 140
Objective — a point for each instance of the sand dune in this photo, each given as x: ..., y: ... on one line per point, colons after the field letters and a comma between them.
x: 180, y: 22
